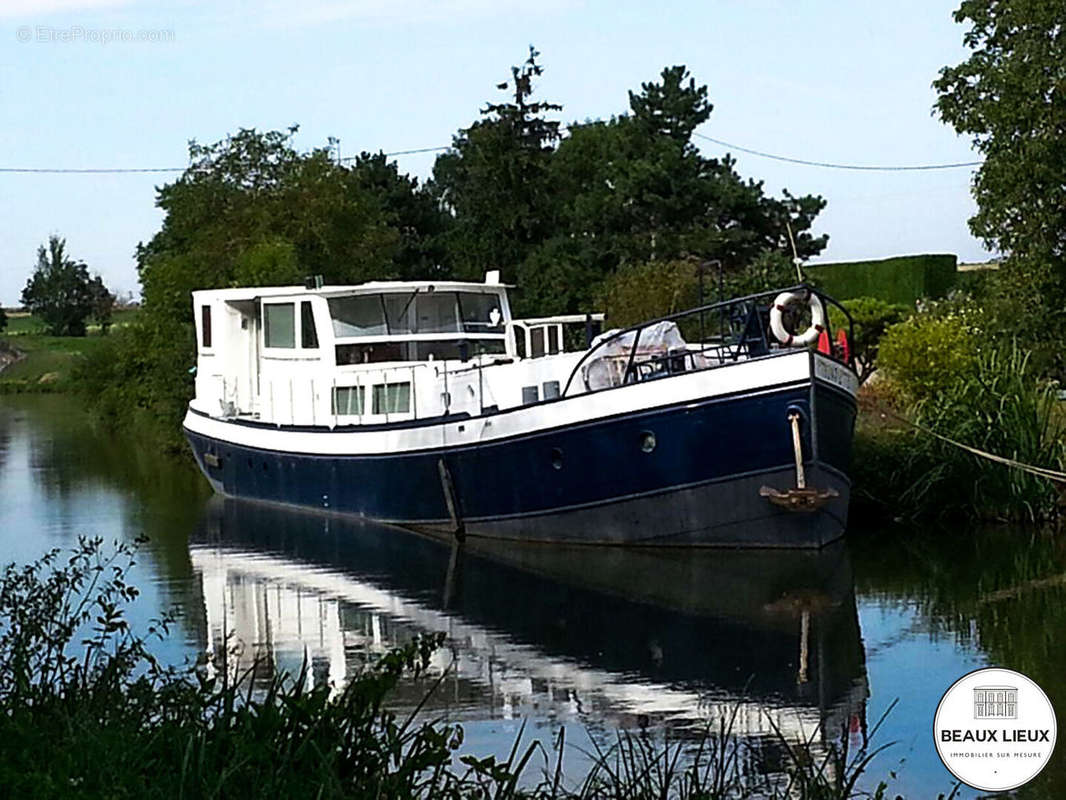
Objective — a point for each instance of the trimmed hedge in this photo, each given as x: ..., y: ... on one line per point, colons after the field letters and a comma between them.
x: 903, y: 279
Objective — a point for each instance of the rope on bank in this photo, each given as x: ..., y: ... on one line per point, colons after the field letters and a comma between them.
x: 1043, y: 472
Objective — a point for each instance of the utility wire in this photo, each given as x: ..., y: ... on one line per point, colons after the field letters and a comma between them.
x: 99, y: 171
x: 406, y: 152
x: 830, y: 165
x: 761, y: 154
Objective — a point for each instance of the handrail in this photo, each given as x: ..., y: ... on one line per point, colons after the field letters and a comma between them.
x: 716, y: 306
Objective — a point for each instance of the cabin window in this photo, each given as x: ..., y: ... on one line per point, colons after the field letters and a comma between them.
x: 363, y: 315
x: 538, y: 338
x: 205, y: 326
x: 439, y: 351
x: 392, y: 398
x: 308, y: 335
x: 379, y: 352
x: 280, y: 328
x: 348, y: 400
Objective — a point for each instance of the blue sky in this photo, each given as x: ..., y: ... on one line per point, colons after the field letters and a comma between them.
x: 828, y: 81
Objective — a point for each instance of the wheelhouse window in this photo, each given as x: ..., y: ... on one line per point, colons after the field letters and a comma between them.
x: 392, y: 398
x: 437, y: 313
x: 481, y: 312
x: 348, y: 400
x: 308, y: 334
x: 280, y: 325
x: 361, y: 315
x: 205, y: 326
x: 415, y: 313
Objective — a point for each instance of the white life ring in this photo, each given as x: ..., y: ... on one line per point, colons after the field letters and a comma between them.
x: 777, y: 324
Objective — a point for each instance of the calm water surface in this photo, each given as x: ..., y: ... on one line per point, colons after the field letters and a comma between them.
x: 590, y: 641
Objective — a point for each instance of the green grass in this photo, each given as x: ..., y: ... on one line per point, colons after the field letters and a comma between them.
x: 20, y: 323
x: 47, y: 361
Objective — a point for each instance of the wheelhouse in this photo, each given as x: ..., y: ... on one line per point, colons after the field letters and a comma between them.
x: 379, y: 352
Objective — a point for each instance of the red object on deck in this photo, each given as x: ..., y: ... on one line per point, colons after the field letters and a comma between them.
x: 823, y: 343
x: 845, y: 346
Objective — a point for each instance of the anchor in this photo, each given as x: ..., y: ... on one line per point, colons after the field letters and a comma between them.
x: 801, y: 498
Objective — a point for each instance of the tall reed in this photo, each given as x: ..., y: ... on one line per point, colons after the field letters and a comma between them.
x: 1001, y: 407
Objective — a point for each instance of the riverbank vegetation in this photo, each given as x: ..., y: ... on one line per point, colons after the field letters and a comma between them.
x: 33, y: 361
x: 984, y: 368
x: 87, y: 710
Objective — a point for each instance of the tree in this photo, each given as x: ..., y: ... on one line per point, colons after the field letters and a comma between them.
x: 250, y: 210
x: 494, y: 181
x: 872, y: 317
x: 3, y: 320
x: 409, y: 209
x: 635, y: 189
x: 103, y: 303
x: 1009, y: 96
x: 60, y: 292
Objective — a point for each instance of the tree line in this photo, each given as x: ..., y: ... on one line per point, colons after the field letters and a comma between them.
x: 561, y: 212
x: 558, y: 213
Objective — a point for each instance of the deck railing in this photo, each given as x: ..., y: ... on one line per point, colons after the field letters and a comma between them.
x: 724, y: 332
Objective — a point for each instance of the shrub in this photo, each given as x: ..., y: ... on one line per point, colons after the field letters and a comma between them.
x: 639, y: 292
x: 872, y: 317
x: 140, y: 377
x: 925, y: 353
x: 652, y: 289
x: 1025, y: 301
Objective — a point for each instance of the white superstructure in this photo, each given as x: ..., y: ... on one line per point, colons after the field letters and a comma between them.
x: 377, y: 353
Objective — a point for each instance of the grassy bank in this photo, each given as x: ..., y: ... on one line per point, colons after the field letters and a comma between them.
x: 45, y: 363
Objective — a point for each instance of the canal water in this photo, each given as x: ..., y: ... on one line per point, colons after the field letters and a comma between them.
x: 780, y: 646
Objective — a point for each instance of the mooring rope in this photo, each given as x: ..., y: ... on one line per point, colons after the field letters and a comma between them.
x: 1043, y: 472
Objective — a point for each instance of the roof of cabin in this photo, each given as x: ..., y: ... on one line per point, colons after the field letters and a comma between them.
x: 254, y: 292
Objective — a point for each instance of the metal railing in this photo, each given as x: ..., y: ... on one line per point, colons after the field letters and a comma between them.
x: 738, y: 328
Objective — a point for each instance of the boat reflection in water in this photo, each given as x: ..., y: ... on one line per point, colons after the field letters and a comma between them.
x: 601, y: 638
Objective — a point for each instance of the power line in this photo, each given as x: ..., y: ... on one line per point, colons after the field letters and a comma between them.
x: 132, y: 170
x: 405, y: 152
x: 831, y: 165
x: 94, y: 171
x: 729, y: 145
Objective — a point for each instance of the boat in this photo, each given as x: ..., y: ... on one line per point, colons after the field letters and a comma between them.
x: 426, y: 404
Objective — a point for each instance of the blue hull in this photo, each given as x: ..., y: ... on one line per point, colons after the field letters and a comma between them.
x: 593, y: 482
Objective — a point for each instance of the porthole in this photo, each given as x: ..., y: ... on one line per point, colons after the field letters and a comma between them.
x: 647, y: 441
x: 557, y: 458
